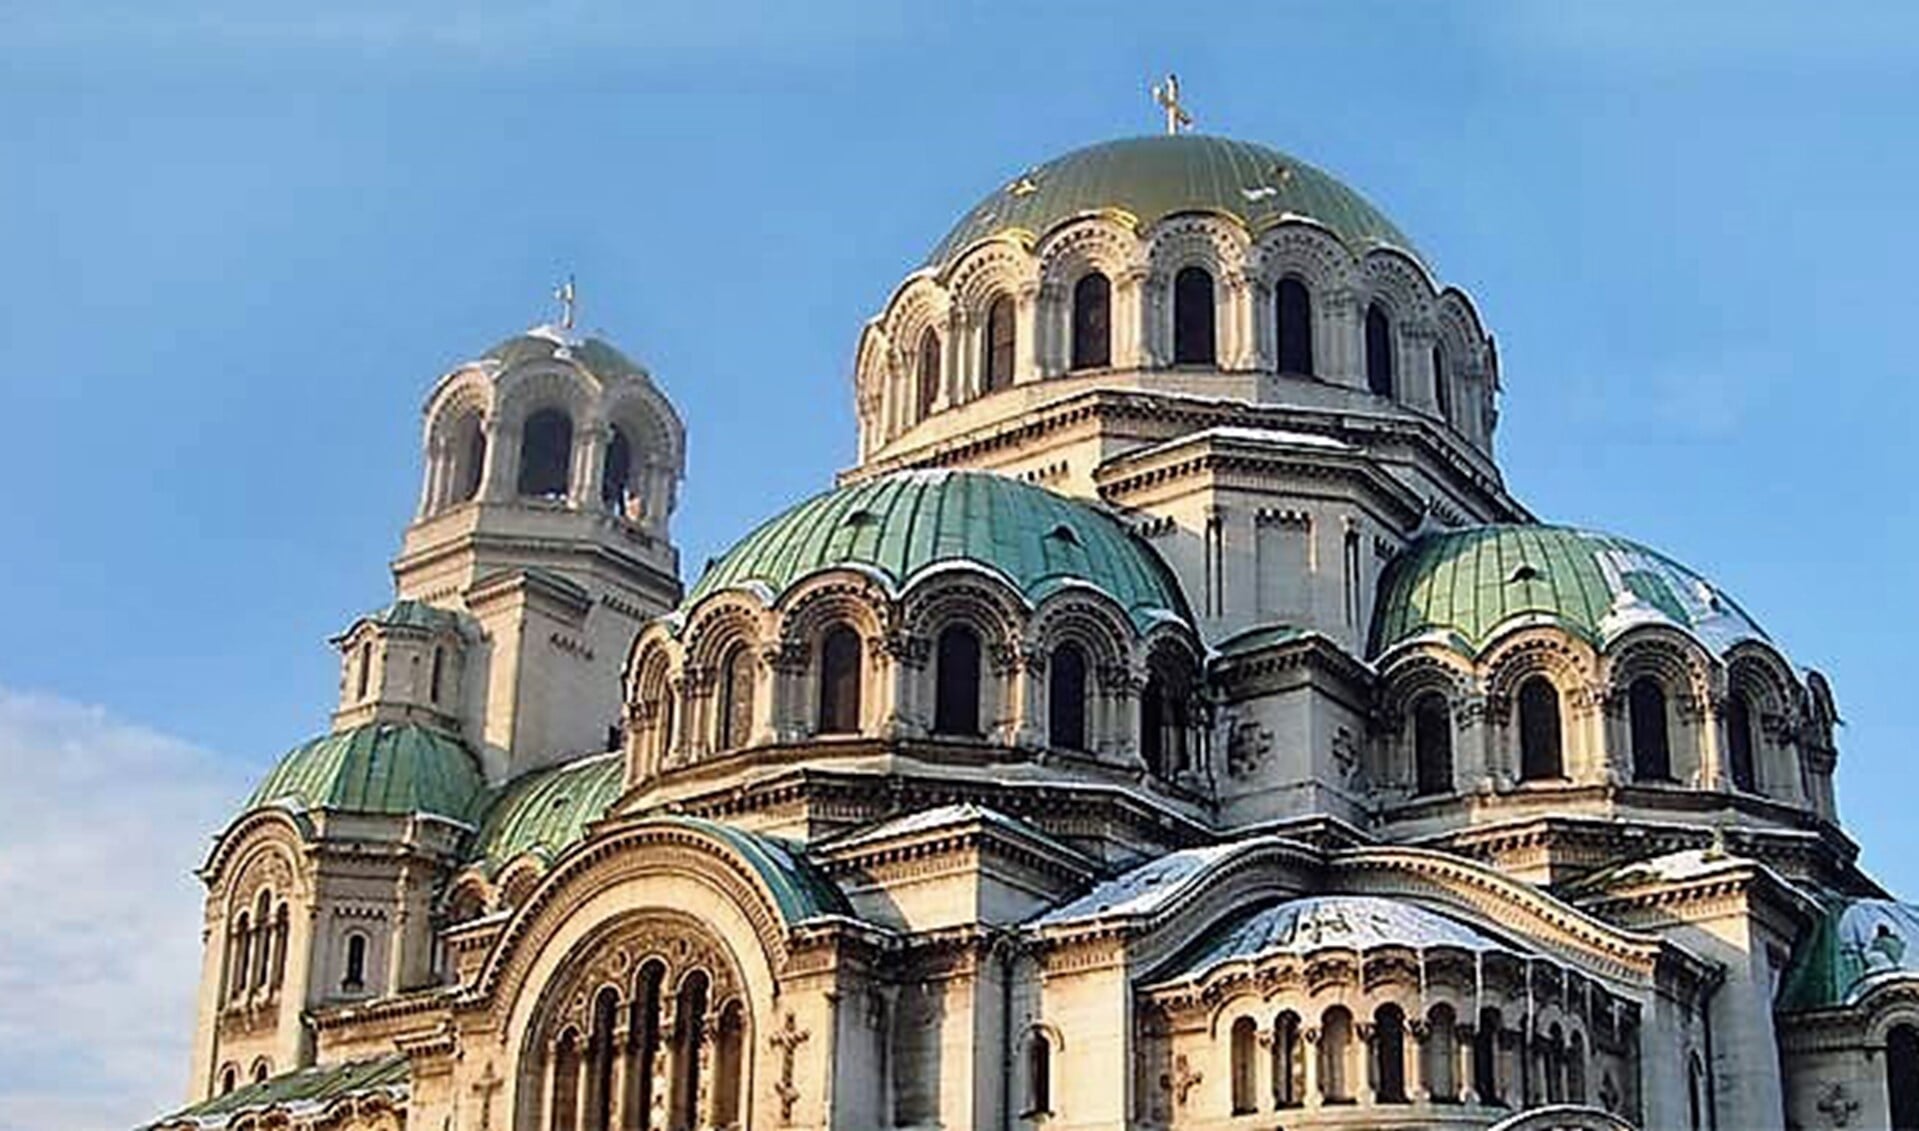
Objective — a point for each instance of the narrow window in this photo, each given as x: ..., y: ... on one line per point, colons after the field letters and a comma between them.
x: 466, y: 482
x: 1485, y: 1057
x: 229, y: 1079
x: 1289, y: 1065
x: 1902, y: 1077
x: 929, y: 371
x: 1442, y: 386
x: 1539, y: 750
x: 1440, y: 1056
x: 1039, y: 1074
x: 263, y: 950
x: 616, y: 471
x: 1295, y: 325
x: 1092, y: 322
x: 1193, y: 317
x: 1244, y: 1042
x: 1432, y: 745
x: 1651, y: 752
x: 669, y: 715
x: 689, y: 1020
x: 366, y: 670
x: 839, y: 681
x: 1555, y: 1065
x: 242, y: 962
x: 566, y: 1084
x: 439, y: 671
x: 261, y: 1070
x: 1379, y: 351
x: 999, y: 343
x: 1576, y: 1070
x: 1739, y: 744
x: 1389, y: 1048
x: 1163, y: 727
x: 956, y: 682
x: 355, y: 978
x: 1335, y: 1046
x: 1066, y: 698
x: 546, y: 451
x: 599, y: 1062
x: 736, y: 698
x: 729, y: 1064
x: 643, y: 1045
x: 280, y: 932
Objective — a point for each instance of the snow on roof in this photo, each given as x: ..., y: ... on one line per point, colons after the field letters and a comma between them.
x: 1275, y: 437
x: 1146, y: 888
x: 1342, y: 922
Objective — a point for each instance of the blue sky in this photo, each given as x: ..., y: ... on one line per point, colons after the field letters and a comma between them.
x: 244, y: 238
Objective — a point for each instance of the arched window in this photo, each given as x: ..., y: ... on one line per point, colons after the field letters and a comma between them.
x: 470, y: 460
x: 643, y: 1041
x: 1000, y: 340
x: 354, y: 979
x: 439, y: 672
x: 1039, y: 1074
x: 1576, y: 1069
x: 1651, y: 752
x: 1555, y: 1057
x: 241, y: 962
x: 956, y: 682
x: 616, y: 471
x: 599, y: 1062
x: 281, y: 929
x: 839, y: 681
x: 669, y: 716
x: 1539, y: 749
x: 1486, y: 1058
x: 263, y: 950
x: 689, y: 1030
x: 566, y: 1083
x: 229, y: 1079
x: 1432, y: 745
x: 1289, y: 1062
x: 729, y: 1065
x: 1164, y: 733
x: 1442, y: 386
x: 1092, y: 322
x: 1379, y: 351
x: 366, y: 670
x: 1389, y: 1052
x: 261, y: 1070
x: 1440, y: 1055
x: 1245, y: 1041
x: 1193, y: 317
x: 1902, y: 1077
x: 736, y: 698
x: 1739, y: 742
x: 1335, y: 1046
x: 546, y: 454
x: 929, y: 371
x: 1294, y: 316
x: 1066, y: 698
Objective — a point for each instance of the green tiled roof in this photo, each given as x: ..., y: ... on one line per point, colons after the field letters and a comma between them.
x: 799, y: 887
x: 547, y: 811
x: 900, y: 524
x: 414, y: 614
x: 1858, y: 944
x: 1465, y: 585
x: 304, y: 1089
x: 391, y: 768
x: 1154, y: 177
x: 544, y: 343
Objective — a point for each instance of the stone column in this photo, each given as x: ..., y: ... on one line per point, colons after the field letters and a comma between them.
x: 433, y: 485
x: 589, y: 466
x: 496, y: 478
x: 1309, y: 1046
x: 1237, y: 347
x: 1466, y: 1071
x: 1413, y: 1051
x: 1366, y: 1047
x: 1026, y: 334
x: 1339, y: 328
x: 616, y: 1079
x: 1128, y: 319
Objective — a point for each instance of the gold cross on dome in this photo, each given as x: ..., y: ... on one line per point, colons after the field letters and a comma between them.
x: 568, y: 300
x: 1167, y: 95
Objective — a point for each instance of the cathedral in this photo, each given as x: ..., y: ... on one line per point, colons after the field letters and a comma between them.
x: 1171, y: 720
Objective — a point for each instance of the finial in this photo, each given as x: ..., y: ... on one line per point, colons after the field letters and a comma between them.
x: 1167, y: 95
x: 568, y: 301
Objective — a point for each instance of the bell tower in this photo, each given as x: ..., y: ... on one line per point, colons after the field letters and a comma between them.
x: 552, y: 465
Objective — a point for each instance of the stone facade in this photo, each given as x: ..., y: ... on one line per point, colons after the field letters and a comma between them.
x: 1171, y: 722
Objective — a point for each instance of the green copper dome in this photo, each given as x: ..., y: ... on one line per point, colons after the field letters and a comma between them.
x: 900, y: 524
x: 387, y: 768
x: 1150, y: 178
x: 1464, y: 586
x: 547, y: 811
x: 544, y: 343
x: 1858, y: 944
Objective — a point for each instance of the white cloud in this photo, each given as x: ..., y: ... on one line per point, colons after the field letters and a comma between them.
x: 101, y: 824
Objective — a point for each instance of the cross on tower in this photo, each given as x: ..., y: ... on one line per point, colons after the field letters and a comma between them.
x: 1167, y: 95
x: 568, y: 301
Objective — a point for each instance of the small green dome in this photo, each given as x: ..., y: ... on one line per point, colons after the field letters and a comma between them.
x: 900, y: 524
x: 1151, y: 178
x: 545, y: 343
x: 1463, y: 586
x: 1858, y: 944
x: 386, y: 768
x: 547, y: 811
